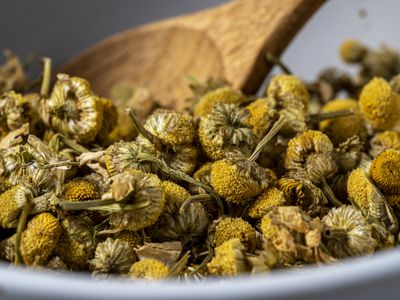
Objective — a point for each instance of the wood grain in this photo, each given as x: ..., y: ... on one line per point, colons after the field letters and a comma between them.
x: 224, y: 42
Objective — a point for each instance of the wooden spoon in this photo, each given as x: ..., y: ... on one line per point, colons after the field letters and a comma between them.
x: 228, y: 41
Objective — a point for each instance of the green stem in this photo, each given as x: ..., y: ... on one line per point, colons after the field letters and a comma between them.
x: 193, y: 199
x: 276, y: 61
x: 179, y: 266
x: 316, y: 118
x: 156, y: 141
x: 82, y: 205
x: 70, y: 143
x: 117, y: 207
x: 329, y: 193
x: 204, y: 262
x: 182, y: 176
x: 271, y: 133
x: 45, y: 87
x: 23, y: 219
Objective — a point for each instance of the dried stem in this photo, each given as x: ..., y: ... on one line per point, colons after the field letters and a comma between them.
x: 23, y: 219
x: 194, y: 199
x: 179, y: 266
x: 82, y: 205
x: 329, y: 193
x: 70, y: 143
x: 156, y: 141
x: 272, y: 59
x: 46, y: 77
x: 271, y: 133
x: 204, y: 262
x: 182, y: 176
x: 109, y: 205
x: 316, y: 118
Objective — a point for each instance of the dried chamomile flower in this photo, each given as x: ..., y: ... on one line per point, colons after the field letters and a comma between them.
x: 148, y: 192
x: 39, y: 239
x: 112, y: 256
x: 292, y: 99
x: 359, y: 188
x: 134, y: 200
x: 385, y: 171
x: 12, y: 74
x: 288, y: 89
x: 167, y: 252
x: 379, y: 104
x: 235, y: 228
x: 237, y: 179
x: 295, y: 234
x: 330, y: 81
x: 148, y: 269
x: 382, y: 141
x: 226, y: 129
x: 347, y: 232
x: 15, y: 110
x: 311, y: 153
x: 80, y: 189
x: 123, y: 156
x: 187, y: 225
x: 229, y: 259
x: 133, y: 238
x: 262, y: 115
x: 176, y: 224
x: 365, y: 195
x: 20, y: 161
x: 340, y: 129
x: 14, y: 199
x: 173, y: 128
x: 301, y: 192
x: 180, y: 155
x: 76, y: 244
x: 225, y: 95
x: 73, y: 109
x: 383, y: 62
x: 348, y: 156
x: 352, y: 51
x: 203, y: 174
x: 268, y: 199
x: 265, y: 259
x: 28, y: 163
x: 26, y: 160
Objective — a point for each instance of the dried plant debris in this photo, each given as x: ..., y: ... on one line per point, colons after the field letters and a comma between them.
x: 235, y: 185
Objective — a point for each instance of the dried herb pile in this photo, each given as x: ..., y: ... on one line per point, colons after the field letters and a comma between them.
x: 308, y: 173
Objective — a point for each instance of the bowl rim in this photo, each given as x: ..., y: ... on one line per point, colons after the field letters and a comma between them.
x: 42, y: 284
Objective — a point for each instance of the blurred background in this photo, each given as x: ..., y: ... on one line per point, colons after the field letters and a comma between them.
x: 61, y: 29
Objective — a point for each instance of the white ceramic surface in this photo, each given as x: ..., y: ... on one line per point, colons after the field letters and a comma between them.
x: 60, y: 29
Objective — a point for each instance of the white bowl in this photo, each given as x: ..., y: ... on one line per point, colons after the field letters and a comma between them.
x: 76, y: 25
